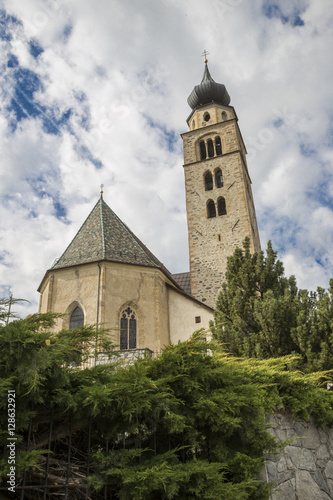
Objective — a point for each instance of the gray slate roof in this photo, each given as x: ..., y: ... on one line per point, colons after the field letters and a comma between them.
x: 103, y: 236
x: 184, y: 281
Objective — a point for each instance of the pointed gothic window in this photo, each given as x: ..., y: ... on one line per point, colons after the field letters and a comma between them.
x: 218, y: 146
x: 210, y: 148
x: 208, y: 181
x: 203, y: 154
x: 128, y: 328
x: 221, y: 206
x: 218, y: 178
x: 77, y: 318
x: 211, y: 210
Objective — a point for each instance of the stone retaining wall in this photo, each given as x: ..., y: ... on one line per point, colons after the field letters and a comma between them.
x: 304, y: 471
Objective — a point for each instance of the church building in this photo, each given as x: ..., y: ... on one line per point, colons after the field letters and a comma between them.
x: 108, y: 276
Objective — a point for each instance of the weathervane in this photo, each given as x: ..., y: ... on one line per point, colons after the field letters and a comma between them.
x: 205, y: 54
x: 102, y: 185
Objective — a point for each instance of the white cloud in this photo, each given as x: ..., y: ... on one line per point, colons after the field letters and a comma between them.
x: 125, y: 70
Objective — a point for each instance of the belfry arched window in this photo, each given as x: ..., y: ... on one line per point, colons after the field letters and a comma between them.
x: 76, y: 319
x: 221, y: 206
x: 211, y: 209
x: 128, y: 328
x: 203, y: 154
x: 218, y: 146
x: 210, y: 148
x: 218, y: 178
x: 208, y: 181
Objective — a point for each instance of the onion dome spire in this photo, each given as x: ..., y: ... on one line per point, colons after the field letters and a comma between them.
x: 208, y: 91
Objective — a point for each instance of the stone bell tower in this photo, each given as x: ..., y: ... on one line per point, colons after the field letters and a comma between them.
x: 219, y: 201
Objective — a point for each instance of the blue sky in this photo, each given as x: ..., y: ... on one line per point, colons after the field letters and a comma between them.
x: 98, y: 95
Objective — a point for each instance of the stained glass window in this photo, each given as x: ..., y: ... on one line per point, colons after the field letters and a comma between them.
x: 77, y: 318
x: 128, y: 326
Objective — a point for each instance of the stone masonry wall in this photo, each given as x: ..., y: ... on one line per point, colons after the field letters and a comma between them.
x: 304, y: 471
x: 212, y: 240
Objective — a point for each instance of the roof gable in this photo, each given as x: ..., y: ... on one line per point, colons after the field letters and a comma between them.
x: 103, y: 236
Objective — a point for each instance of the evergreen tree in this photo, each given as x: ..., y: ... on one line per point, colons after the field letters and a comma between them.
x: 188, y: 424
x: 6, y: 312
x: 313, y: 333
x: 261, y: 313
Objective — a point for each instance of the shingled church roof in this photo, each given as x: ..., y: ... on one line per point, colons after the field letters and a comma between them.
x: 103, y: 236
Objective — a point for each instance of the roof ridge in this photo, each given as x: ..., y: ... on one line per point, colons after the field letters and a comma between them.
x: 71, y: 241
x: 102, y: 225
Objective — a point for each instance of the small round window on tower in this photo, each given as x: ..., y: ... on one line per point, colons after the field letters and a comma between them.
x: 206, y: 117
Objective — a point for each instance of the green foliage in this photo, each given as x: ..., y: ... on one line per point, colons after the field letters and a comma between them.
x: 6, y: 312
x: 313, y: 332
x: 261, y: 313
x: 188, y: 424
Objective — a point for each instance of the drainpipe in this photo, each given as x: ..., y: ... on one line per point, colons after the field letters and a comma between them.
x: 97, y: 312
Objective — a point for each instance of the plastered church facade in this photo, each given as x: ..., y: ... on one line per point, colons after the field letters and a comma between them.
x: 108, y: 276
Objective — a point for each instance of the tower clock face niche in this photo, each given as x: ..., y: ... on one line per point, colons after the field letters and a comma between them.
x: 219, y: 202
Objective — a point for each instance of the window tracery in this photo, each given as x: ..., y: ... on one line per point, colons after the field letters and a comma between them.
x: 128, y: 329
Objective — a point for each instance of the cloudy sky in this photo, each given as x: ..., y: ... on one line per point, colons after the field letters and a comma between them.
x: 94, y: 91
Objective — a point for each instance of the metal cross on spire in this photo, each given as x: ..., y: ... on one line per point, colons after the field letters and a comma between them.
x: 102, y: 185
x: 205, y: 54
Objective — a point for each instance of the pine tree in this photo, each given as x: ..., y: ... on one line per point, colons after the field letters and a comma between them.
x: 313, y: 332
x: 261, y: 313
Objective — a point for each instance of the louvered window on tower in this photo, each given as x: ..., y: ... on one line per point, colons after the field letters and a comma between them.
x: 211, y: 210
x: 218, y: 146
x: 77, y: 318
x: 203, y: 154
x: 210, y: 147
x: 218, y: 178
x: 221, y: 206
x: 128, y: 327
x: 208, y: 181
